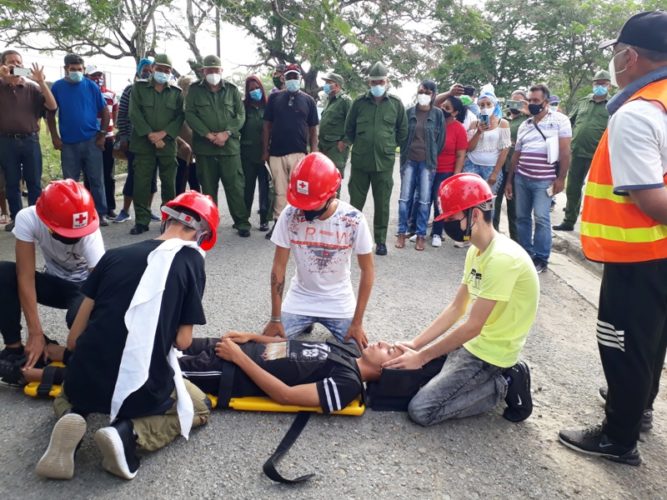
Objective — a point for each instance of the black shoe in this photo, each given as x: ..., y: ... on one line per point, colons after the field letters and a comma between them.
x: 519, y: 400
x: 563, y: 227
x: 12, y: 353
x: 381, y: 249
x: 593, y: 441
x: 138, y: 229
x: 647, y: 415
x: 264, y: 226
x: 540, y: 266
x: 244, y: 233
x: 118, y: 446
x: 58, y: 459
x: 111, y: 214
x: 270, y: 233
x: 9, y: 227
x: 10, y: 370
x: 104, y: 222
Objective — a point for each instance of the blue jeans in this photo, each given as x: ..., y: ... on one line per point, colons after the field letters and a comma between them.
x: 87, y: 157
x: 532, y: 198
x: 295, y: 324
x: 21, y: 157
x: 482, y: 170
x: 465, y: 386
x: 415, y: 176
x: 437, y: 180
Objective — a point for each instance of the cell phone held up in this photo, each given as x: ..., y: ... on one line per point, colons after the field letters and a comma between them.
x: 484, y: 120
x: 517, y: 105
x: 25, y: 72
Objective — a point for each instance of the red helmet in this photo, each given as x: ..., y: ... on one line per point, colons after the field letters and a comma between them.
x: 67, y: 209
x: 313, y: 181
x: 203, y: 206
x: 461, y: 192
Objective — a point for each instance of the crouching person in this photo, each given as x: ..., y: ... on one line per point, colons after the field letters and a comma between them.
x: 140, y: 301
x: 483, y: 364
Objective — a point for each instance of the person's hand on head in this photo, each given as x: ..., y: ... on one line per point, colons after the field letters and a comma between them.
x: 456, y: 90
x: 408, y: 360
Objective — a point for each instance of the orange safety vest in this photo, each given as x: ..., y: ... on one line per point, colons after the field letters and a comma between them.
x: 613, y: 228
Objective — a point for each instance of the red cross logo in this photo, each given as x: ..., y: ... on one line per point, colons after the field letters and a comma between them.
x: 302, y: 187
x: 79, y: 220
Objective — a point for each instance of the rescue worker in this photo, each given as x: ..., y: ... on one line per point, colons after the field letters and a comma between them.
x: 332, y: 123
x: 376, y: 125
x: 156, y: 114
x: 589, y: 121
x: 624, y: 226
x: 215, y: 113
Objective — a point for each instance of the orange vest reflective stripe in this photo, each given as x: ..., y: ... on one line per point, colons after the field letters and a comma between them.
x: 613, y: 228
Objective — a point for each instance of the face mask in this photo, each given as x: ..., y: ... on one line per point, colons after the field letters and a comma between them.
x: 486, y: 111
x: 277, y: 81
x: 454, y: 231
x: 535, y: 109
x: 326, y: 88
x: 599, y: 90
x: 160, y: 78
x: 554, y: 107
x: 612, y: 69
x: 311, y: 215
x: 292, y: 85
x: 99, y: 81
x: 65, y: 241
x: 377, y: 90
x: 423, y: 99
x: 214, y: 78
x: 447, y: 114
x: 255, y: 95
x: 515, y: 111
x: 75, y: 76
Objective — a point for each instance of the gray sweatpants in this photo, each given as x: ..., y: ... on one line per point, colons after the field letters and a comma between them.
x: 465, y: 386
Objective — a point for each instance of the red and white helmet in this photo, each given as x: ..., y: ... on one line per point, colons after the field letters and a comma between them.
x: 461, y: 192
x: 67, y: 209
x: 204, y: 207
x: 313, y: 181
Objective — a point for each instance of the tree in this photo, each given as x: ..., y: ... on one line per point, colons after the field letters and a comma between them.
x: 113, y: 28
x: 197, y: 16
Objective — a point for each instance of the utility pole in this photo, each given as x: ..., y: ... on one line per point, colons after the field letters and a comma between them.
x: 217, y: 31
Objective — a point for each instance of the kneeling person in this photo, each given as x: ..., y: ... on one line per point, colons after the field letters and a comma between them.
x: 323, y: 232
x: 131, y: 372
x: 483, y: 364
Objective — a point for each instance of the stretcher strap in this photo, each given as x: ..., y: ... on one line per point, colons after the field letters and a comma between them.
x: 48, y: 380
x: 288, y: 440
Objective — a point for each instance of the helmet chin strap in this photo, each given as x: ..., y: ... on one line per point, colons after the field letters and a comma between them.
x: 202, y: 231
x: 468, y: 231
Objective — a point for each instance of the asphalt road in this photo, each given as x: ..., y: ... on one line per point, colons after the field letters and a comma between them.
x: 380, y: 455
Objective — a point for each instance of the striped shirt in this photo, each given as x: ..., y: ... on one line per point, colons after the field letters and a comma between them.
x: 533, y: 147
x: 123, y: 122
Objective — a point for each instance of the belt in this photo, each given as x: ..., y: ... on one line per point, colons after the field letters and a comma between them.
x: 19, y: 136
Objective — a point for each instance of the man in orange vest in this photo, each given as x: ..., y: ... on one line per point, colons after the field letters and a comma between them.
x: 624, y: 225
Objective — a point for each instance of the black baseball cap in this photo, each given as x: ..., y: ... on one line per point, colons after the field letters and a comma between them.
x: 646, y: 30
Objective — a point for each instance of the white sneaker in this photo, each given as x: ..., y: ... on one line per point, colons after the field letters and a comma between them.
x: 413, y: 238
x: 461, y: 244
x: 436, y: 241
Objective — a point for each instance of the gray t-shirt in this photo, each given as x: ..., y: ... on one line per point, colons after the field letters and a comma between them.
x: 418, y: 146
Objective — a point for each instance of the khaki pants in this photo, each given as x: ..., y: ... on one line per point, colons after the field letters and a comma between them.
x: 156, y: 431
x: 281, y: 168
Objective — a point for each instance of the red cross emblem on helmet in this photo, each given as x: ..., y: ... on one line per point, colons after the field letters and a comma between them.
x: 314, y: 180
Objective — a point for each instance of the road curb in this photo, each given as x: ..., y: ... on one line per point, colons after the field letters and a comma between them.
x: 569, y: 244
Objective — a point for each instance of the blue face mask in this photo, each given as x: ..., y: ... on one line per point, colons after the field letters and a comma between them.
x: 292, y: 85
x: 378, y: 90
x: 75, y: 76
x: 255, y: 95
x: 160, y: 78
x: 326, y: 88
x: 599, y: 90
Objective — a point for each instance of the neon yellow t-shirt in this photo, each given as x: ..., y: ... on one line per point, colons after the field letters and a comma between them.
x: 504, y: 273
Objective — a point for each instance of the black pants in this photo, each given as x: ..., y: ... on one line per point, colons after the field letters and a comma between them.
x: 200, y: 365
x: 186, y: 175
x: 632, y: 338
x: 51, y: 291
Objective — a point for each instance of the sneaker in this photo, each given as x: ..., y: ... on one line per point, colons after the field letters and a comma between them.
x: 264, y: 227
x: 462, y: 244
x: 58, y: 459
x: 592, y: 441
x: 12, y: 353
x: 111, y: 214
x: 103, y: 221
x: 122, y: 217
x: 155, y: 218
x: 436, y: 241
x: 9, y: 227
x: 647, y: 415
x: 413, y: 238
x: 421, y: 243
x: 244, y: 233
x: 118, y: 446
x: 563, y: 227
x: 138, y: 229
x: 519, y: 400
x: 540, y: 266
x: 270, y: 233
x: 380, y: 249
x: 10, y: 370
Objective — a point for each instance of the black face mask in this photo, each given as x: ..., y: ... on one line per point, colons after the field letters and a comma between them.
x: 447, y: 114
x: 453, y: 230
x: 65, y: 241
x: 311, y: 215
x: 535, y: 109
x: 277, y: 81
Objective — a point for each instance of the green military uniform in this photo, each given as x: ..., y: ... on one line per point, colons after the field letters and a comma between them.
x: 332, y: 125
x: 515, y: 123
x: 211, y: 111
x: 589, y: 120
x: 253, y: 167
x: 154, y: 111
x: 375, y: 129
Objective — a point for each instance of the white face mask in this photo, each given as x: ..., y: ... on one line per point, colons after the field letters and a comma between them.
x: 423, y: 99
x: 486, y: 111
x: 213, y: 78
x: 612, y: 68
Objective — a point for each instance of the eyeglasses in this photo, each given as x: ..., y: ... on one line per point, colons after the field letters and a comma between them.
x: 291, y: 100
